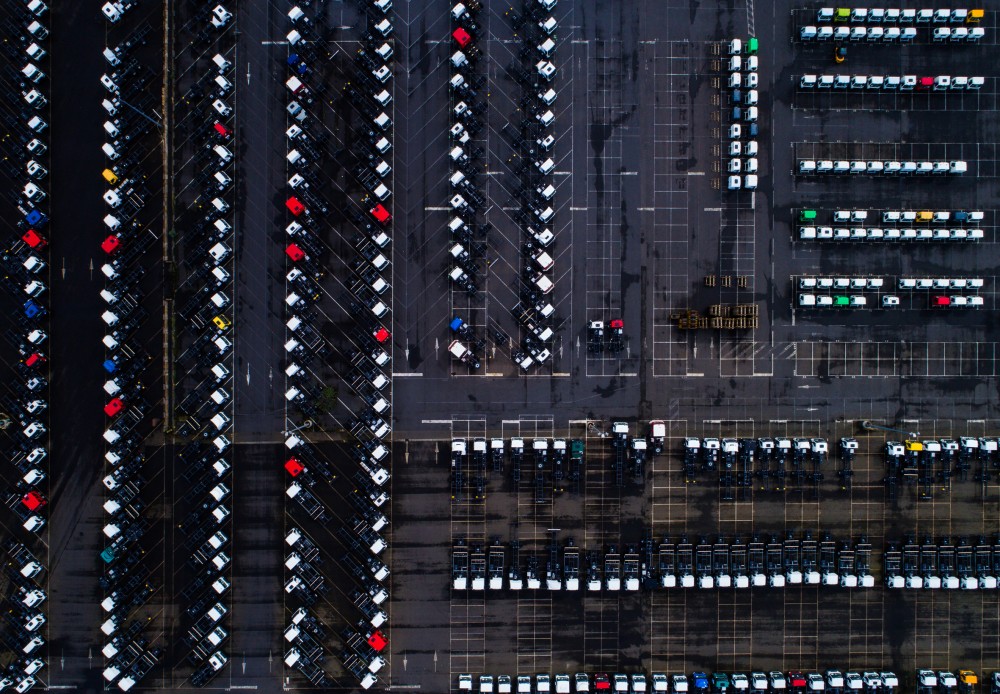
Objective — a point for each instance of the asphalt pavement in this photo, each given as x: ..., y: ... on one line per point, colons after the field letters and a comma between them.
x: 643, y: 232
x: 76, y: 353
x: 260, y: 283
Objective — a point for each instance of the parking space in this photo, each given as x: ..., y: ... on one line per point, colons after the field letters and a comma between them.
x: 671, y: 63
x: 891, y: 359
x: 605, y: 246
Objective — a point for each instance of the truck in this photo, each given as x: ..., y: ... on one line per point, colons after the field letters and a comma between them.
x: 846, y: 566
x: 657, y: 436
x: 571, y: 565
x: 774, y: 563
x: 514, y: 579
x: 738, y: 564
x: 296, y: 540
x: 211, y: 546
x: 308, y: 574
x: 477, y: 567
x: 516, y: 457
x: 630, y: 568
x: 496, y: 454
x: 575, y: 472
x: 464, y: 355
x: 558, y: 463
x: 612, y: 569
x: 638, y: 457
x: 553, y: 567
x: 312, y: 506
x: 703, y: 564
x: 531, y: 575
x: 540, y: 449
x: 755, y: 562
x: 203, y: 626
x: 667, y: 564
x: 204, y: 648
x: 375, y: 616
x: 593, y: 572
x: 720, y: 564
x: 863, y: 562
x: 460, y: 566
x: 791, y: 551
x: 458, y: 450
x: 827, y: 561
x: 809, y: 557
x: 497, y: 560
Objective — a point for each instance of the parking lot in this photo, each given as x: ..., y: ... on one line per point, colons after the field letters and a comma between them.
x: 357, y: 253
x: 798, y: 373
x: 682, y: 630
